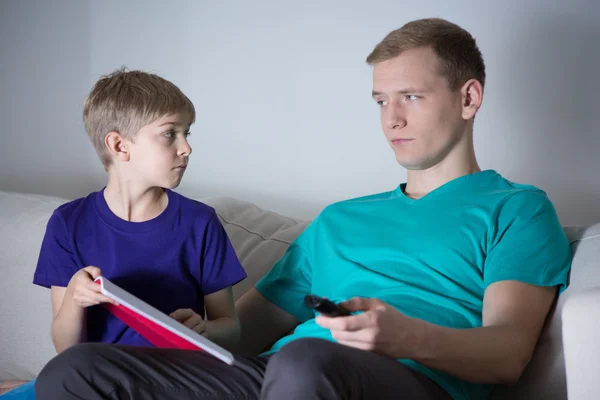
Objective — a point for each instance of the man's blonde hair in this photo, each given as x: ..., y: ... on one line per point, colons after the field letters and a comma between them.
x: 125, y: 101
x: 458, y: 54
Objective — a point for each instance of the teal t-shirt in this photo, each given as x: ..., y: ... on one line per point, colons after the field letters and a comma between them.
x: 430, y: 258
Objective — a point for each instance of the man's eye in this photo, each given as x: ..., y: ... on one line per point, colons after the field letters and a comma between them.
x: 411, y: 97
x: 381, y: 103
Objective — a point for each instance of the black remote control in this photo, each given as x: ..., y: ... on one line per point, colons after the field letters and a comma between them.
x: 324, y: 306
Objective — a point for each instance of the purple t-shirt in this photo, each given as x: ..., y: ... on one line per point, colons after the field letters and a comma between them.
x: 170, y: 262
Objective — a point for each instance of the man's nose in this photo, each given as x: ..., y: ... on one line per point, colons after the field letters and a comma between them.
x: 394, y: 116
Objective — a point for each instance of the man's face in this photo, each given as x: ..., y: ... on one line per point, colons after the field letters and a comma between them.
x: 420, y: 115
x: 159, y: 153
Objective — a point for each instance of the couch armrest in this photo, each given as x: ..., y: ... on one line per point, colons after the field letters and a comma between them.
x: 581, y: 327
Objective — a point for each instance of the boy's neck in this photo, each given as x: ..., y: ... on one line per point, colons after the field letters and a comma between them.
x: 135, y: 203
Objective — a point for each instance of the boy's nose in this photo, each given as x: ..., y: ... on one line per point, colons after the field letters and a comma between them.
x: 185, y: 150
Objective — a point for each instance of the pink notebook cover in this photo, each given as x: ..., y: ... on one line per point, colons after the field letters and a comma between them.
x: 155, y: 326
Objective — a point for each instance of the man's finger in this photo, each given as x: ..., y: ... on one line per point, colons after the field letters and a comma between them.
x: 359, y: 304
x: 366, y: 335
x: 357, y: 345
x: 351, y: 323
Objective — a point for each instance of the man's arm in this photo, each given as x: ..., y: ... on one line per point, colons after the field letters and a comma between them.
x: 513, y: 317
x: 262, y: 322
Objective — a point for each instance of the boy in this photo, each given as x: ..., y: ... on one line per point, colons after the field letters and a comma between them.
x: 170, y: 251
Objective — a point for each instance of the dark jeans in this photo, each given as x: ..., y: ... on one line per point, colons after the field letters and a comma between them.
x: 304, y: 369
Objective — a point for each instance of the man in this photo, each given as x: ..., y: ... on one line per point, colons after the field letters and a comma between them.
x: 450, y: 276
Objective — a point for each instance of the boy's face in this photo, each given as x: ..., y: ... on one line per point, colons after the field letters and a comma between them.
x: 160, y: 151
x: 420, y: 115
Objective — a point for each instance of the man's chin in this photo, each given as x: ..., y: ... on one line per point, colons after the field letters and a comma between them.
x: 411, y: 165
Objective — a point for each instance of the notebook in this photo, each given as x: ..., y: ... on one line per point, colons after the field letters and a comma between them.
x: 155, y: 326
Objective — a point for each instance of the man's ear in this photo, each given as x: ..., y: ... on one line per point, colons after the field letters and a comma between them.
x: 471, y: 98
x: 117, y: 146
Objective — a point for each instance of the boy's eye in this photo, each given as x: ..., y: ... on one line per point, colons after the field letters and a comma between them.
x: 169, y: 134
x: 187, y: 133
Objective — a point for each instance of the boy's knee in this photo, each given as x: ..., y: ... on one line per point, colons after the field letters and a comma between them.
x: 78, y: 360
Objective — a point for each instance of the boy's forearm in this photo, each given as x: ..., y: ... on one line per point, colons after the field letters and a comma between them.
x: 68, y: 327
x: 224, y: 331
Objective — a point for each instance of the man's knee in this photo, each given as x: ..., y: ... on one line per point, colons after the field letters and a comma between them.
x: 79, y: 359
x: 305, y: 368
x: 305, y: 359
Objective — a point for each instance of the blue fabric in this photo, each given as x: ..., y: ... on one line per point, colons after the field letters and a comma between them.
x: 430, y: 258
x: 170, y: 262
x: 23, y: 392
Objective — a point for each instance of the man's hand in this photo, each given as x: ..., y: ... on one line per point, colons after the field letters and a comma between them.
x: 380, y: 328
x: 189, y: 318
x: 497, y: 353
x: 84, y: 291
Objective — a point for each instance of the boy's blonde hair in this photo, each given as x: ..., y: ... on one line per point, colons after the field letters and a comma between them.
x: 458, y: 54
x: 125, y: 101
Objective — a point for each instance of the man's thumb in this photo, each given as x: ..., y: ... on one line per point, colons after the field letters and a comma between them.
x: 357, y: 304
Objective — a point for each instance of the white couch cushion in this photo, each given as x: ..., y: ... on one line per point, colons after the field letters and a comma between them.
x: 581, y: 324
x: 25, y: 309
x: 259, y: 237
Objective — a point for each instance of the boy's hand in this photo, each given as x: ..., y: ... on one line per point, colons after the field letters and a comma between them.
x: 190, y: 319
x: 84, y: 291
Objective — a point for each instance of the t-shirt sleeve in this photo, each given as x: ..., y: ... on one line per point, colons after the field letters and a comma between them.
x: 290, y: 279
x: 528, y: 244
x: 220, y: 267
x: 56, y: 264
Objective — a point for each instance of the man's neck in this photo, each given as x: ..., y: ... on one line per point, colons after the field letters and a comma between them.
x: 135, y: 203
x: 421, y: 182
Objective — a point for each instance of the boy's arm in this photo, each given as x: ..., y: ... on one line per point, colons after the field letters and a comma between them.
x: 68, y: 327
x: 262, y: 323
x: 222, y: 325
x: 69, y: 306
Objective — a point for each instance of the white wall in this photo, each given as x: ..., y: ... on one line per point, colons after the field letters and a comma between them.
x: 282, y: 94
x: 44, y: 76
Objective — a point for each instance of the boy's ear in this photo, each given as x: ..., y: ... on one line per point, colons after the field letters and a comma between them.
x: 117, y: 146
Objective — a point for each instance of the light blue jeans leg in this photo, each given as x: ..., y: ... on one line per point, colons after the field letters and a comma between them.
x: 23, y: 392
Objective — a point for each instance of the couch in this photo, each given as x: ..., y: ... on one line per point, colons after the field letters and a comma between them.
x: 567, y: 358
